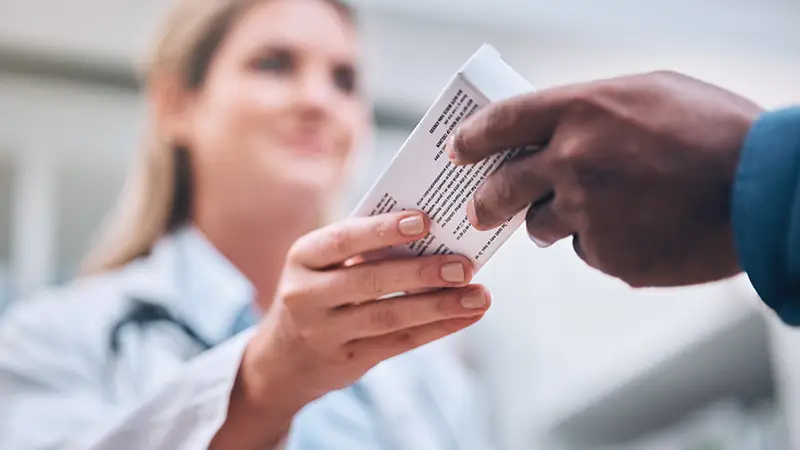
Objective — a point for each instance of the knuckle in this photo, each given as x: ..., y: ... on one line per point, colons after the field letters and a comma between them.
x: 504, y: 191
x: 305, y: 336
x: 369, y: 282
x: 296, y: 250
x: 499, y: 117
x: 662, y: 80
x: 583, y: 103
x: 567, y: 154
x: 383, y: 229
x: 294, y: 294
x: 384, y: 318
x: 293, y: 297
x: 343, y: 355
x: 443, y: 305
x: 424, y: 269
x: 337, y: 241
x: 665, y: 74
x: 606, y: 94
x: 422, y: 273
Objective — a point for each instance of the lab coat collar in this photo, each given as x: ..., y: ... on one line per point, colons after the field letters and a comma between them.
x: 197, y: 283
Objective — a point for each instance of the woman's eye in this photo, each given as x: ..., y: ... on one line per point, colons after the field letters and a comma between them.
x: 280, y: 62
x: 345, y: 79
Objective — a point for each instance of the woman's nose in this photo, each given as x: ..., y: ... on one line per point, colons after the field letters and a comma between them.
x: 316, y: 95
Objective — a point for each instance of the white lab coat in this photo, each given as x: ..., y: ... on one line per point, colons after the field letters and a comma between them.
x: 61, y: 387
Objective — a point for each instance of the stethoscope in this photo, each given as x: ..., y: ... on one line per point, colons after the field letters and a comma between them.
x: 142, y: 313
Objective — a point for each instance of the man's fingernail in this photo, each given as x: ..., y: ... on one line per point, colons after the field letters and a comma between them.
x: 472, y: 216
x: 453, y: 273
x: 450, y: 146
x: 412, y: 226
x: 474, y: 300
x: 541, y: 243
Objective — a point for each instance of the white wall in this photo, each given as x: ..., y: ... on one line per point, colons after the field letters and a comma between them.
x: 83, y: 137
x: 415, y: 44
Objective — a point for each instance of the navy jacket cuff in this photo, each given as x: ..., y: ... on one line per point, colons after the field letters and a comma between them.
x: 766, y: 211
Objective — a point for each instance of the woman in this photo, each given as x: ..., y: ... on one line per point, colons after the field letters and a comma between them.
x: 256, y: 110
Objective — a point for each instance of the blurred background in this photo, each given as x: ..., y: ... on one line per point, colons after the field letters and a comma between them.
x: 571, y: 359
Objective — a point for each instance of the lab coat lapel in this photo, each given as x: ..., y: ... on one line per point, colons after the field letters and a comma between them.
x: 150, y: 280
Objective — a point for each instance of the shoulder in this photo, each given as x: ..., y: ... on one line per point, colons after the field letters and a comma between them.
x: 81, y: 302
x: 71, y: 322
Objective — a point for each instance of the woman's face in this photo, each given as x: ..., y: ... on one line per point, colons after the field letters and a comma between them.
x: 280, y: 112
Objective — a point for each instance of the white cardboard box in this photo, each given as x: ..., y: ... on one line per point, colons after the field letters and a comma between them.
x: 421, y: 177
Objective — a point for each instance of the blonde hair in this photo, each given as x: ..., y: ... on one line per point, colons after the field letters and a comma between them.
x: 157, y: 195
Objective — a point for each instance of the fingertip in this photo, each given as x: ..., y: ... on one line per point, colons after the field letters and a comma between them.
x: 450, y: 148
x: 541, y: 243
x: 478, y: 298
x: 424, y: 216
x: 454, y: 270
x: 427, y: 222
x: 454, y: 150
x: 469, y: 268
x: 414, y: 224
x: 472, y: 216
x: 486, y: 293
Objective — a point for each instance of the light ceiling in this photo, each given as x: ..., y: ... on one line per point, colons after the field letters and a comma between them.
x: 755, y: 18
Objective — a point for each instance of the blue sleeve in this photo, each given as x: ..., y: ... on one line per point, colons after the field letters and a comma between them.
x: 766, y: 211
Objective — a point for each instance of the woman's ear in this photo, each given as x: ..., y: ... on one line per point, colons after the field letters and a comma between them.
x: 172, y: 106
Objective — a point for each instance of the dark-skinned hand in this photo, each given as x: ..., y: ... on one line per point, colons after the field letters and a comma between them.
x: 638, y: 170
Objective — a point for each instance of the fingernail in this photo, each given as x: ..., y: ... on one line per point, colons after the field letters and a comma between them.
x: 412, y: 226
x: 540, y: 243
x: 472, y: 216
x: 450, y: 146
x: 453, y: 273
x: 474, y: 300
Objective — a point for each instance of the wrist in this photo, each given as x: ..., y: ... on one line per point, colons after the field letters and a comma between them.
x: 264, y: 382
x: 260, y: 413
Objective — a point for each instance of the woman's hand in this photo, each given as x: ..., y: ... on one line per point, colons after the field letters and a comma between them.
x: 327, y: 328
